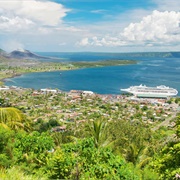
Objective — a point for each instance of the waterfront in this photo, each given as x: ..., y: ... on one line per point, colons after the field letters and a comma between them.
x: 104, y: 80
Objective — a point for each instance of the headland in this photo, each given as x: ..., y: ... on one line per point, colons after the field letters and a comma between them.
x: 11, y: 67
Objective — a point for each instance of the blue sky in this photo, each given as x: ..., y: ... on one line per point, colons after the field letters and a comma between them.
x: 90, y: 11
x: 89, y: 25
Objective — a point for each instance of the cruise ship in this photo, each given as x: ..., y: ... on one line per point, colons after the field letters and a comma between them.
x: 154, y: 92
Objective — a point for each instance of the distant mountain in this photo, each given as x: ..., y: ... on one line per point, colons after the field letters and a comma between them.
x: 25, y: 54
x: 153, y: 54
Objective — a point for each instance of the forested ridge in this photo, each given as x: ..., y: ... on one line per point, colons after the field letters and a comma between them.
x: 76, y: 136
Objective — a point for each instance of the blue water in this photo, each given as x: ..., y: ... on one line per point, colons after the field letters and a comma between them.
x: 104, y: 80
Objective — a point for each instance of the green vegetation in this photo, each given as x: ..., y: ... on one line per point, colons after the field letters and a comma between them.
x: 14, y: 67
x: 13, y: 118
x: 84, y: 64
x: 75, y: 136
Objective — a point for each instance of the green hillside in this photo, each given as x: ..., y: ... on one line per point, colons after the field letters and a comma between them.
x: 48, y: 136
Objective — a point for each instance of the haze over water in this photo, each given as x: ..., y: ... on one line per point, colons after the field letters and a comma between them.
x: 104, y: 80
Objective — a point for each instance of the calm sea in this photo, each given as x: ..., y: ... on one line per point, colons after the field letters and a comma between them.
x: 103, y: 80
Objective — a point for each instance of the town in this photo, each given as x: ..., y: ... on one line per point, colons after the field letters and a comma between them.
x: 80, y: 131
x: 78, y: 106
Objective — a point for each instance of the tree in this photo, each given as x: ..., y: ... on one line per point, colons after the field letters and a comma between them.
x: 98, y: 132
x: 32, y: 149
x: 137, y: 155
x: 13, y: 118
x: 178, y: 125
x: 167, y: 162
x: 81, y: 160
x: 5, y: 147
x: 98, y: 128
x: 1, y: 102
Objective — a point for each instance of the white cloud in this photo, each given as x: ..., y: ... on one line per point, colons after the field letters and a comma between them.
x: 106, y: 41
x: 99, y: 11
x: 84, y: 42
x: 38, y: 24
x: 47, y: 13
x: 159, y: 28
x: 31, y: 22
x: 43, y: 30
x: 14, y: 24
x: 40, y: 12
x: 69, y: 29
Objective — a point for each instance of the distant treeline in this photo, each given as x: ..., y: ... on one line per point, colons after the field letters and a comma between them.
x: 130, y: 55
x: 152, y: 54
x: 86, y: 64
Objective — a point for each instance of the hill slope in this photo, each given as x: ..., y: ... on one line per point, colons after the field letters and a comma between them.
x: 25, y: 54
x: 2, y: 52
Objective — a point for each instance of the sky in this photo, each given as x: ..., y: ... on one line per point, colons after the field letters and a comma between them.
x: 90, y: 26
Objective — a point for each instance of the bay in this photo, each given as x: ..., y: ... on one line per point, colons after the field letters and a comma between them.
x: 103, y: 80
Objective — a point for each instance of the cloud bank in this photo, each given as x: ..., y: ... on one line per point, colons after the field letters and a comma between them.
x: 41, y: 25
x: 159, y: 28
x: 29, y: 22
x: 22, y: 13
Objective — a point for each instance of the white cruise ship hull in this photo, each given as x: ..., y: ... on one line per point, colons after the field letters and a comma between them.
x: 151, y: 92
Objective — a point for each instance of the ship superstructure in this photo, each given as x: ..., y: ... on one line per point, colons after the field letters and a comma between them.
x: 161, y: 91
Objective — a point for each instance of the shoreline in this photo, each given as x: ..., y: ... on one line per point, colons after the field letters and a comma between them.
x: 50, y: 66
x: 19, y: 71
x: 13, y: 76
x: 78, y: 90
x: 77, y: 93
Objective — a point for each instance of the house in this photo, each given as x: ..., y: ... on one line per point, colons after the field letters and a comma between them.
x: 58, y: 129
x: 49, y: 90
x: 4, y: 88
x: 87, y: 93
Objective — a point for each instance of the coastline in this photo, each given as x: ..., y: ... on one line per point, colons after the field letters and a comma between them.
x: 13, y: 76
x: 11, y: 72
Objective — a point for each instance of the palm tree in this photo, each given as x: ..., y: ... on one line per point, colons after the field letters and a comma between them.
x: 13, y: 118
x: 98, y: 131
x: 138, y: 156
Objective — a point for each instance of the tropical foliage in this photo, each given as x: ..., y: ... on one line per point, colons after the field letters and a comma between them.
x: 167, y: 163
x: 47, y: 136
x: 13, y: 118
